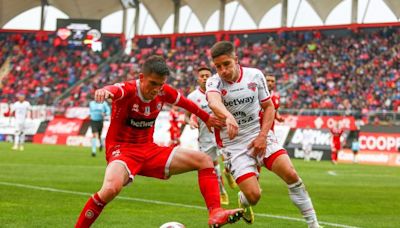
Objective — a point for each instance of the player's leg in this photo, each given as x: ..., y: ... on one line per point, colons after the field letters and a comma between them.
x: 101, y: 143
x: 214, y: 154
x: 231, y: 181
x: 17, y: 135
x: 281, y: 165
x: 21, y: 140
x: 249, y: 195
x: 334, y: 155
x: 185, y: 160
x: 115, y: 177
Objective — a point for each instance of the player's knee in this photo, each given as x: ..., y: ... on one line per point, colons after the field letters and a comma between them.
x: 204, y: 161
x: 253, y: 196
x: 291, y: 177
x: 110, y: 190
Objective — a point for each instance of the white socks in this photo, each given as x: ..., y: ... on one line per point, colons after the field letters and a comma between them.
x: 302, y: 200
x: 243, y: 199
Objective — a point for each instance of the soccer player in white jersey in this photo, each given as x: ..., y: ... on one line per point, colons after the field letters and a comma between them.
x: 235, y: 94
x: 20, y: 109
x: 206, y: 138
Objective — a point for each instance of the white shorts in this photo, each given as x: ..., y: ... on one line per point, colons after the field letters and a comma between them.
x: 239, y: 162
x: 19, y: 127
x: 212, y: 151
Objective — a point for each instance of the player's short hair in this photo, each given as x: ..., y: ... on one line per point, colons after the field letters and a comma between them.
x: 203, y: 67
x: 155, y: 64
x: 222, y: 48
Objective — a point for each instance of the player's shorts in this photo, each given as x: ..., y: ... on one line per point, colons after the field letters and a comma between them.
x: 212, y: 151
x: 148, y: 159
x: 238, y: 160
x: 19, y: 127
x: 96, y: 125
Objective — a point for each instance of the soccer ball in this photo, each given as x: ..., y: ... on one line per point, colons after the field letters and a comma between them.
x: 172, y: 225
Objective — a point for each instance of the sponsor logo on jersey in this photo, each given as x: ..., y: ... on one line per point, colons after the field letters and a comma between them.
x: 252, y: 86
x: 239, y: 101
x: 141, y: 123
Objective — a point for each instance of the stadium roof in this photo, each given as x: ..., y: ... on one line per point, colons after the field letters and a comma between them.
x: 160, y: 10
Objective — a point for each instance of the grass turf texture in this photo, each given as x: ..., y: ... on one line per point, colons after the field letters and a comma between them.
x: 47, y: 186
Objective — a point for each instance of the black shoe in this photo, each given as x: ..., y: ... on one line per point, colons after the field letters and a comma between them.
x: 101, y: 148
x: 93, y: 154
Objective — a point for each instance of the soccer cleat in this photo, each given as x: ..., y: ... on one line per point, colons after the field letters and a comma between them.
x: 93, y: 154
x: 21, y: 148
x: 248, y: 214
x: 219, y: 217
x: 230, y: 179
x: 101, y: 147
x: 314, y: 225
x: 15, y: 147
x: 224, y: 198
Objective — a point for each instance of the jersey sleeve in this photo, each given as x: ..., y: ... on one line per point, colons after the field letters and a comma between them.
x: 172, y: 96
x: 263, y: 92
x: 213, y: 84
x: 119, y: 90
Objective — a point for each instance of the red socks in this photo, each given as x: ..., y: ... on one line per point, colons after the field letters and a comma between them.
x: 208, y: 183
x: 90, y: 212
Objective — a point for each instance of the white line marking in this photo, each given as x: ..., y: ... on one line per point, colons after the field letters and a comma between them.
x: 332, y: 173
x: 163, y: 203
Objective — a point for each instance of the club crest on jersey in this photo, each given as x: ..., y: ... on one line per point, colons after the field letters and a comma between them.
x: 223, y: 92
x: 252, y: 86
x: 116, y: 153
x: 147, y: 110
x: 135, y: 108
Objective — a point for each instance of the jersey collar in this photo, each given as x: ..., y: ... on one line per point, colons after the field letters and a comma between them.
x: 140, y: 93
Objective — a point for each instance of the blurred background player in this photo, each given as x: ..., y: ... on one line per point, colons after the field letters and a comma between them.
x: 336, y: 133
x: 206, y: 138
x: 20, y: 109
x: 98, y: 112
x: 130, y: 147
x: 275, y: 97
x: 306, y: 143
x: 176, y: 123
x: 355, y: 147
x: 235, y: 95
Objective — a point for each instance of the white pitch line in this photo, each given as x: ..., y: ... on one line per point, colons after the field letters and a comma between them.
x: 162, y: 203
x: 332, y: 173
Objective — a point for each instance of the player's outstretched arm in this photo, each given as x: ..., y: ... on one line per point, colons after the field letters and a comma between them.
x: 101, y: 95
x: 220, y: 111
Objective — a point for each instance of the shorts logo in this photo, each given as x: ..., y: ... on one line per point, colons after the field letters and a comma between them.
x: 116, y: 153
x: 89, y: 214
x: 223, y: 92
x: 252, y: 86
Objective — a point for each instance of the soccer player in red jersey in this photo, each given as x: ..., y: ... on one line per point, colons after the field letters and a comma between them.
x: 175, y: 126
x: 335, y: 145
x: 130, y: 149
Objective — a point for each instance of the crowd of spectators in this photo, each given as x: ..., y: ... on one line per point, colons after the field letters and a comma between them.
x: 358, y: 70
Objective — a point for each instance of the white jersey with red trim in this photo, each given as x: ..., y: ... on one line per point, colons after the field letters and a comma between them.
x: 206, y: 138
x: 242, y: 98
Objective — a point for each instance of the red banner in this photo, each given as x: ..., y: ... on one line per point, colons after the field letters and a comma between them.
x: 382, y: 142
x: 64, y: 126
x: 318, y: 122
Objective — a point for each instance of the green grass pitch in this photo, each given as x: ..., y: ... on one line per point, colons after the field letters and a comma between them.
x: 47, y: 186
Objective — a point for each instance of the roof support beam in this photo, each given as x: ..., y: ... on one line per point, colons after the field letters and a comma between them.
x: 354, y: 11
x: 177, y: 7
x: 222, y: 15
x: 284, y: 13
x: 43, y: 4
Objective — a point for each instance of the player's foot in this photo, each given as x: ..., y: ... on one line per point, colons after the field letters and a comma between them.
x: 93, y: 154
x: 248, y: 215
x: 230, y: 179
x: 224, y: 198
x: 101, y: 147
x: 21, y: 148
x: 334, y: 162
x: 15, y: 147
x: 219, y: 217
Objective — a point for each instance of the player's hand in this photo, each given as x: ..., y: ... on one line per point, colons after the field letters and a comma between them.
x: 193, y: 122
x: 259, y: 146
x: 232, y: 127
x: 101, y: 95
x: 214, y: 122
x: 280, y: 118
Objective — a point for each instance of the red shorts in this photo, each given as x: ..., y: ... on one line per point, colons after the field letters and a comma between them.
x: 148, y: 159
